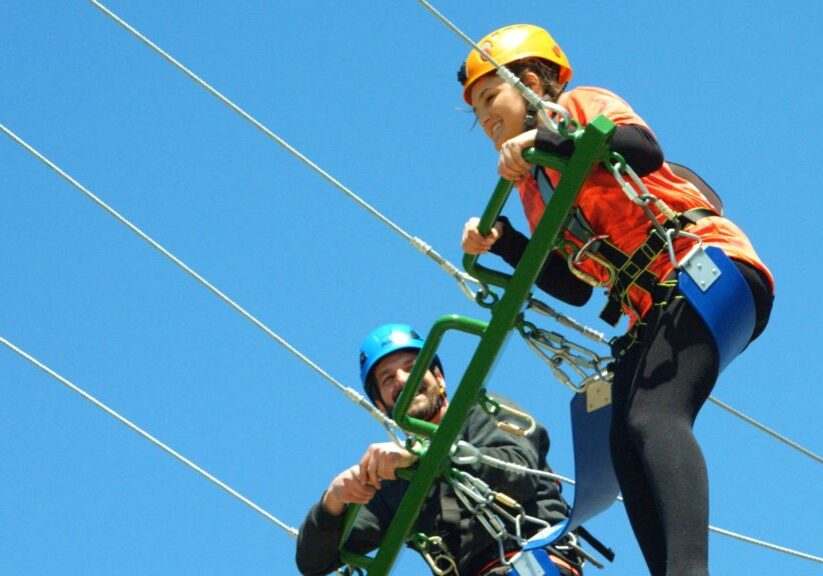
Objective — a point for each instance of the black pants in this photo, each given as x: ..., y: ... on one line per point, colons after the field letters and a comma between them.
x: 661, y: 380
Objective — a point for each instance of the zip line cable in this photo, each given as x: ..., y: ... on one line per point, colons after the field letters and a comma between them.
x: 766, y: 429
x: 134, y: 427
x: 461, y: 277
x: 352, y: 394
x: 474, y: 455
x: 418, y: 243
x: 291, y: 531
x: 547, y: 310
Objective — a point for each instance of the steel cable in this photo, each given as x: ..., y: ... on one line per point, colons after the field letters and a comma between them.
x: 135, y: 428
x: 352, y: 394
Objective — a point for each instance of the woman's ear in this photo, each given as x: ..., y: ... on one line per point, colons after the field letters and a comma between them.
x: 532, y: 80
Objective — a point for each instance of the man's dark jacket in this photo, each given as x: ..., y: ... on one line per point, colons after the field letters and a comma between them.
x: 443, y: 515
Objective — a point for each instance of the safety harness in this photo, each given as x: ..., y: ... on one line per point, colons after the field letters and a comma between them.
x: 707, y: 278
x: 625, y: 270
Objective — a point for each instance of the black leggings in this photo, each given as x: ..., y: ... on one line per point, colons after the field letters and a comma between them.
x: 661, y: 381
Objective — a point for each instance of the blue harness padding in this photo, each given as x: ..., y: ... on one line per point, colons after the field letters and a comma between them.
x: 533, y: 563
x: 726, y: 305
x: 595, y: 483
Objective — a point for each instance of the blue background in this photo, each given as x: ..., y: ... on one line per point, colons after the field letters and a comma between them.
x: 367, y: 90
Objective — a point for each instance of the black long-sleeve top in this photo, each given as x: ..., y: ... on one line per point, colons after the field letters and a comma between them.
x: 442, y: 514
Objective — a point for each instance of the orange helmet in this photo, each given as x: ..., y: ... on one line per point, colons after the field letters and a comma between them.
x: 508, y: 45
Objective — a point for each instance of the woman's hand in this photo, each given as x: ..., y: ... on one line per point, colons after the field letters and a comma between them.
x: 475, y: 243
x: 510, y: 164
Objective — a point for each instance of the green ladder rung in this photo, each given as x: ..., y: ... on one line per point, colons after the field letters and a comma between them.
x: 591, y: 148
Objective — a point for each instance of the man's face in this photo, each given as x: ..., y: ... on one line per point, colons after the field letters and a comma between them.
x: 392, y: 373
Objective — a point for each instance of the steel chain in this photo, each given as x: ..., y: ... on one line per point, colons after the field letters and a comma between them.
x: 557, y: 351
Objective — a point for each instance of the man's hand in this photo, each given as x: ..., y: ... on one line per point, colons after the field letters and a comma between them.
x: 475, y: 243
x: 510, y: 164
x: 380, y: 462
x: 347, y: 488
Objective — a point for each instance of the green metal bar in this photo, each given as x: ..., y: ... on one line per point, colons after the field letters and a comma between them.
x: 487, y: 219
x: 493, y: 209
x: 421, y: 365
x: 430, y: 464
x: 352, y: 511
x: 591, y: 147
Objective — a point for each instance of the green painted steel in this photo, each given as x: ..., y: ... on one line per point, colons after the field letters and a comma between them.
x: 591, y: 148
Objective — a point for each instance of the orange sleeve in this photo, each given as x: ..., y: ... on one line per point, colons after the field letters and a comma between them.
x: 587, y: 103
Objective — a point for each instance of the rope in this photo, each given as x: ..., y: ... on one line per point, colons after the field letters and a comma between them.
x: 461, y: 277
x: 123, y: 420
x: 352, y: 394
x: 475, y: 455
x: 766, y: 429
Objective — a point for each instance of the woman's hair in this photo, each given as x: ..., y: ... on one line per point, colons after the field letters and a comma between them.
x: 545, y: 70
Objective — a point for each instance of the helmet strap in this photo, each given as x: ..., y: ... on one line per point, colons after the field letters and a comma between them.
x: 530, y: 120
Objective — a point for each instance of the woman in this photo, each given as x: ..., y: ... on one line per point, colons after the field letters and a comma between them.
x: 668, y: 362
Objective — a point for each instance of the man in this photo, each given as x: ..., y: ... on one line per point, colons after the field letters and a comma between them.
x: 386, y: 360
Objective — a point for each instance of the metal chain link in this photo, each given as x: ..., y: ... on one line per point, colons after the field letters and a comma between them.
x: 636, y: 190
x: 557, y: 351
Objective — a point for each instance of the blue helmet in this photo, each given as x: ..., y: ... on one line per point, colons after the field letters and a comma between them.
x: 383, y: 341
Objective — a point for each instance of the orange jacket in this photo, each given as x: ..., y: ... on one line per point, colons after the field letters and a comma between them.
x: 611, y: 213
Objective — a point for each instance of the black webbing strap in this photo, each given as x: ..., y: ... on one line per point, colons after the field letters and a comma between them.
x: 601, y: 548
x: 630, y: 269
x: 633, y: 269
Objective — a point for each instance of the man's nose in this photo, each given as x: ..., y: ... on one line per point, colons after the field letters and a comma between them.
x: 402, y: 376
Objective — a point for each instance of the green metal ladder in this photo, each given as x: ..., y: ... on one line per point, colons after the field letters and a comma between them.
x: 591, y: 148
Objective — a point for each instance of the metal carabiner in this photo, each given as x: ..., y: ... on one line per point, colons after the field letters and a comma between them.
x: 494, y: 407
x: 574, y: 259
x: 513, y: 428
x: 442, y: 556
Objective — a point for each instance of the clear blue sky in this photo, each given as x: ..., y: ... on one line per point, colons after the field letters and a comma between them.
x: 368, y: 91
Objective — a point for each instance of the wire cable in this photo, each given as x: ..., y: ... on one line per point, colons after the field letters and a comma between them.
x: 475, y: 455
x: 588, y: 331
x: 134, y: 427
x: 418, y: 243
x: 546, y: 310
x: 415, y: 241
x: 352, y: 394
x: 766, y: 429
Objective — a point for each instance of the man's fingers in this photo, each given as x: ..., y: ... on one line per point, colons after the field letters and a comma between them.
x: 373, y: 478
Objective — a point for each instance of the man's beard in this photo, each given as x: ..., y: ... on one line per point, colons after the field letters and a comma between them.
x: 427, y: 411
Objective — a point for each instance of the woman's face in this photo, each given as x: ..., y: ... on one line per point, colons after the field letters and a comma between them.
x: 500, y: 109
